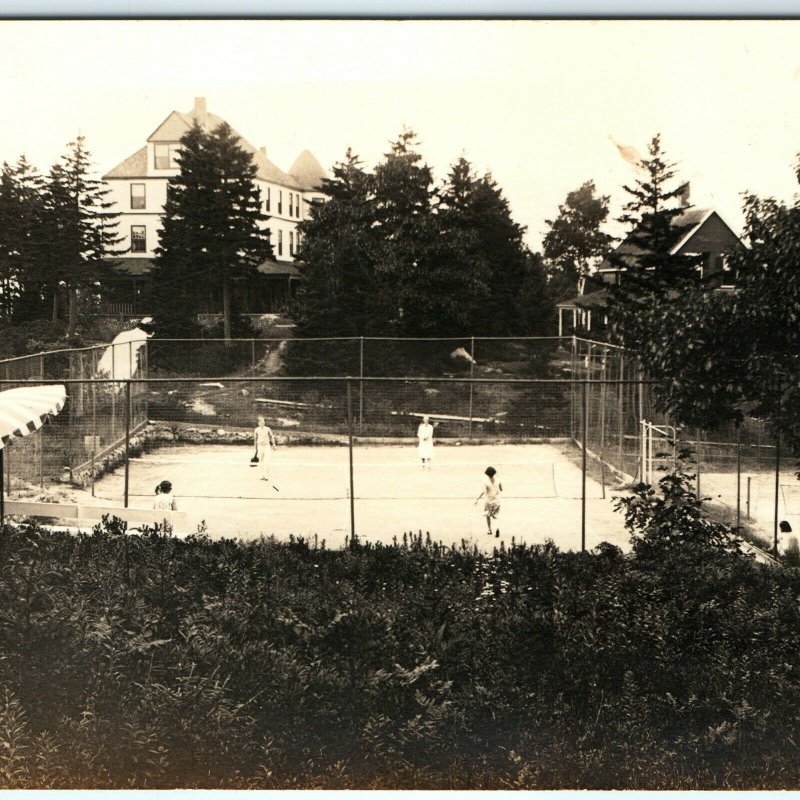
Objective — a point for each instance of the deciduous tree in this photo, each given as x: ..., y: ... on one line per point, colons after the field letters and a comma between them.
x: 575, y: 243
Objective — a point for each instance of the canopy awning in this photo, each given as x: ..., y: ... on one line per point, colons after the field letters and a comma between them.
x: 25, y: 409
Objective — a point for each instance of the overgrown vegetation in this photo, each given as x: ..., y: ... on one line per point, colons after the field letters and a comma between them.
x: 147, y: 661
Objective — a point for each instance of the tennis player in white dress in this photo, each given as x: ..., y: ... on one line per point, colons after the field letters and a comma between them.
x: 425, y: 437
x: 264, y: 440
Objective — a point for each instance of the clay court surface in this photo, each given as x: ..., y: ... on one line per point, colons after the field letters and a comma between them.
x: 542, y: 493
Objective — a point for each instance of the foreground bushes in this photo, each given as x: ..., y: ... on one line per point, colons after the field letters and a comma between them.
x: 148, y: 661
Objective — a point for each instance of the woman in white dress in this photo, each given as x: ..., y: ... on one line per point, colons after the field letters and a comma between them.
x: 425, y: 437
x: 492, y: 489
x: 264, y: 440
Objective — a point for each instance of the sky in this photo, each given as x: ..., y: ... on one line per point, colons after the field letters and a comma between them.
x: 536, y: 103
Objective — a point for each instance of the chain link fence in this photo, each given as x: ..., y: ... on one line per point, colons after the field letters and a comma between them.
x: 738, y: 469
x: 476, y: 390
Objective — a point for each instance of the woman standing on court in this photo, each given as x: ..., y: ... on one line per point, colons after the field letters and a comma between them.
x: 492, y: 489
x: 425, y: 437
x: 264, y: 440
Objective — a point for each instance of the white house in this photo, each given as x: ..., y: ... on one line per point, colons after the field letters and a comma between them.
x: 138, y: 191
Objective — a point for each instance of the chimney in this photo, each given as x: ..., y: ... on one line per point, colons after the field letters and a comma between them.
x: 200, y: 111
x: 685, y: 195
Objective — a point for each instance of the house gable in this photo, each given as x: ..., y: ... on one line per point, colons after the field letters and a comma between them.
x: 711, y: 235
x: 171, y: 129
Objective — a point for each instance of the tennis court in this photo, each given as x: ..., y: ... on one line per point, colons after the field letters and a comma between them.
x: 309, y: 493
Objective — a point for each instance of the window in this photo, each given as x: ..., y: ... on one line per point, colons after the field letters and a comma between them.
x: 280, y: 243
x: 166, y: 155
x: 297, y: 207
x: 269, y: 198
x: 137, y: 195
x: 728, y: 272
x: 138, y: 239
x: 291, y: 204
x: 291, y: 243
x: 298, y: 242
x: 280, y: 201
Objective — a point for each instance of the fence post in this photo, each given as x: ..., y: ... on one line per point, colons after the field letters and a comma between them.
x: 113, y: 393
x: 127, y: 437
x: 471, y: 385
x: 583, y: 465
x: 777, y: 475
x: 2, y: 487
x: 361, y: 385
x: 738, y: 476
x: 350, y: 450
x: 697, y: 456
x: 640, y: 386
x: 41, y: 366
x: 573, y: 378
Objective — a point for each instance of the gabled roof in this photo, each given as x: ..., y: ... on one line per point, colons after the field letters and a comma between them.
x: 134, y: 166
x: 307, y: 171
x: 176, y: 125
x: 696, y: 230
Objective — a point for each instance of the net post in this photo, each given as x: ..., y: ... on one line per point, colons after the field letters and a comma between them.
x: 749, y: 479
x: 350, y: 452
x: 127, y: 437
x: 583, y: 463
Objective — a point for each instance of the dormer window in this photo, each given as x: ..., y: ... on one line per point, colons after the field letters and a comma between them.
x: 166, y: 155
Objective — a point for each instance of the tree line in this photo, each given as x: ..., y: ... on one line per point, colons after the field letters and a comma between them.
x: 391, y: 252
x: 55, y: 231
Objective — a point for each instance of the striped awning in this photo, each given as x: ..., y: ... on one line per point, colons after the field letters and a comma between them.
x: 25, y: 409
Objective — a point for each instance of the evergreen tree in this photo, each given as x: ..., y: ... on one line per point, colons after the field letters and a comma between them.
x: 342, y: 294
x: 212, y: 234
x: 451, y: 279
x: 651, y: 277
x: 575, y: 244
x: 404, y: 200
x: 79, y: 228
x: 22, y: 245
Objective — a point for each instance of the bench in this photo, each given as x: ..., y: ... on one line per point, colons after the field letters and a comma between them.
x: 81, y: 513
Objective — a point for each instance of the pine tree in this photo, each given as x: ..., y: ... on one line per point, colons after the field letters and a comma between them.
x: 212, y: 235
x: 22, y: 245
x: 651, y: 277
x: 79, y: 228
x: 404, y: 201
x: 498, y: 259
x: 652, y: 217
x: 342, y: 293
x: 575, y: 244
